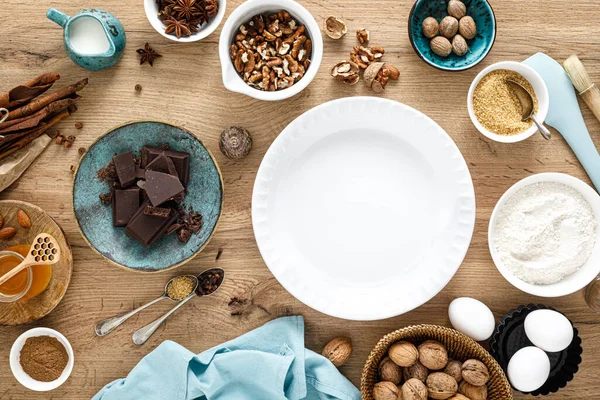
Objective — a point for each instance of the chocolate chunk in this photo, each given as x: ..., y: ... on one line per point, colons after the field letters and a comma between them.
x: 125, y: 167
x: 140, y: 173
x: 157, y: 211
x: 125, y: 203
x: 184, y: 235
x: 163, y: 164
x: 180, y: 159
x: 106, y: 198
x: 147, y: 229
x: 161, y: 187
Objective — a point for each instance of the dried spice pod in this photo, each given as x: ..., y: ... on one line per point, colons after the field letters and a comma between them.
x: 346, y: 72
x: 459, y: 45
x: 335, y: 27
x: 338, y: 351
x: 448, y: 27
x: 467, y: 27
x: 457, y: 9
x: 378, y: 74
x: 430, y: 27
x: 441, y: 46
x: 235, y: 142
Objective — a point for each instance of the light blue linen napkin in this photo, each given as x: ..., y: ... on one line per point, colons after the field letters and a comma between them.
x: 268, y: 363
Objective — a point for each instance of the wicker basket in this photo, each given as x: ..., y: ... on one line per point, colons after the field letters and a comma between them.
x: 459, y: 347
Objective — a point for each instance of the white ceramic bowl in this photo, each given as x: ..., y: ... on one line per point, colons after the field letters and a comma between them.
x: 151, y: 8
x: 539, y: 87
x: 244, y: 13
x: 572, y: 283
x: 26, y: 380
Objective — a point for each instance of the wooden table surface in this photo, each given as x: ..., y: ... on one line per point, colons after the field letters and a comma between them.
x: 185, y: 87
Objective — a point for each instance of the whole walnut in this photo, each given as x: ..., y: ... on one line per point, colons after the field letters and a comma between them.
x: 441, y: 386
x: 414, y: 389
x: 417, y: 371
x: 430, y: 27
x: 467, y: 27
x: 473, y: 392
x: 458, y: 396
x: 449, y: 27
x: 389, y: 371
x: 475, y: 372
x: 385, y: 391
x: 454, y: 369
x: 433, y: 355
x: 404, y: 353
x: 338, y: 351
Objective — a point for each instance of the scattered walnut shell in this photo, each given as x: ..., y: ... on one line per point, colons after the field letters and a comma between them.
x: 385, y: 391
x: 335, y: 27
x: 454, y: 369
x: 448, y: 27
x: 378, y: 74
x: 433, y: 355
x: 417, y: 371
x: 475, y: 372
x: 414, y: 389
x: 346, y: 72
x: 23, y: 219
x: 389, y: 371
x: 459, y: 45
x: 473, y: 392
x: 467, y: 27
x: 338, y: 351
x: 235, y: 142
x: 441, y: 46
x: 403, y: 353
x: 457, y: 9
x: 441, y: 386
x: 430, y: 27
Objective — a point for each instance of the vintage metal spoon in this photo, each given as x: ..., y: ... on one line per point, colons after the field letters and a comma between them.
x: 526, y: 100
x: 106, y: 326
x: 207, y: 285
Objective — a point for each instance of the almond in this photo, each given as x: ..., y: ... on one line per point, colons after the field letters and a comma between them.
x: 338, y: 351
x: 7, y: 233
x: 23, y: 219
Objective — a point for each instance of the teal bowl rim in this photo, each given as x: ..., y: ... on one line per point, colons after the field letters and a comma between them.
x: 436, y: 66
x: 172, y: 266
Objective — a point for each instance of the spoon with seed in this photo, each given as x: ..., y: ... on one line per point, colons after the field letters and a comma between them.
x: 209, y: 282
x: 528, y: 112
x: 106, y: 326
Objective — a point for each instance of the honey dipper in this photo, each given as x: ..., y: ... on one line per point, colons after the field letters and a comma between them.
x: 44, y: 250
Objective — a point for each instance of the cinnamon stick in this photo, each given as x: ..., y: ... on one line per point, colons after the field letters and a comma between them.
x: 25, y: 140
x: 33, y: 120
x: 29, y: 90
x: 42, y: 102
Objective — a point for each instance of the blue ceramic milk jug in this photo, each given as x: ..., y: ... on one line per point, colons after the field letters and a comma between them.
x: 94, y: 38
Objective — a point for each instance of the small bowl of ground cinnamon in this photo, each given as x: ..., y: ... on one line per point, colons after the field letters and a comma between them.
x: 41, y: 359
x: 495, y: 109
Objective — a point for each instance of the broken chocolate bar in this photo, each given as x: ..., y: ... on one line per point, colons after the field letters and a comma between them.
x: 157, y: 211
x: 161, y: 187
x: 163, y: 164
x: 147, y: 229
x: 180, y: 159
x: 125, y: 203
x: 125, y: 167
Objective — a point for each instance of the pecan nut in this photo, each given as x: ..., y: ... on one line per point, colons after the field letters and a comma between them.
x: 346, y: 72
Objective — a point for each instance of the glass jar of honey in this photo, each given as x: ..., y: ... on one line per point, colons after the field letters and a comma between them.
x: 17, y: 286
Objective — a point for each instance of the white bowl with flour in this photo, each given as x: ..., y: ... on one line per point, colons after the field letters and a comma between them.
x: 544, y: 235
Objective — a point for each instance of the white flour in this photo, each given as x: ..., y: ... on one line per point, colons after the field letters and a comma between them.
x: 545, y: 232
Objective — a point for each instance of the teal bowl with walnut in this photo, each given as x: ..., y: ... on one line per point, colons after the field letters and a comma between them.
x: 205, y: 194
x: 479, y: 47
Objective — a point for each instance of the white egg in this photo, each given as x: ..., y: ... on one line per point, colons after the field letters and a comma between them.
x: 472, y: 317
x: 549, y: 330
x: 529, y: 369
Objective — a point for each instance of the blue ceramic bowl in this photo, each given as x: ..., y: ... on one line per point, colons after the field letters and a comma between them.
x: 205, y: 194
x: 479, y: 47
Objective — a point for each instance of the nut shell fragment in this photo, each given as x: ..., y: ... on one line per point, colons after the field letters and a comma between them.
x: 346, y: 72
x: 335, y: 27
x: 376, y: 77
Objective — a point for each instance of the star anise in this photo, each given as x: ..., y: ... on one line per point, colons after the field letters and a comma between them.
x: 211, y: 7
x: 178, y: 27
x: 147, y: 54
x: 186, y: 9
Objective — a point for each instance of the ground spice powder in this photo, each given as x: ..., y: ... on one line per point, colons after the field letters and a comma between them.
x: 43, y: 358
x: 496, y: 106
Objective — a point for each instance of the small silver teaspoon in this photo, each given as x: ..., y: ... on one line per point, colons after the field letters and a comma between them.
x: 526, y: 100
x: 209, y: 282
x: 106, y: 326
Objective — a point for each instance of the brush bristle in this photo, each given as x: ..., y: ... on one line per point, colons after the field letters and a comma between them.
x: 577, y: 73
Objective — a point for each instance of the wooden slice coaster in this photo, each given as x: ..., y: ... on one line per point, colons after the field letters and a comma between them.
x: 23, y: 311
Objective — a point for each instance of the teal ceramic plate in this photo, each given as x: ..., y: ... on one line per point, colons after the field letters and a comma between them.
x: 479, y: 47
x: 205, y: 194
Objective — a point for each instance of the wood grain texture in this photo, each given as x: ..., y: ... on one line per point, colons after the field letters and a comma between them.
x: 21, y: 312
x: 184, y: 87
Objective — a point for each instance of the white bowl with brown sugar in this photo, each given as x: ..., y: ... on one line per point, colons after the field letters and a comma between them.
x: 494, y: 108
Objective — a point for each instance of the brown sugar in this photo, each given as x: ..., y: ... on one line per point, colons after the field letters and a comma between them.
x: 497, y: 107
x: 43, y: 358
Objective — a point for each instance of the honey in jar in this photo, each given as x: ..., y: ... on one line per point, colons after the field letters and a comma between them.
x: 41, y: 274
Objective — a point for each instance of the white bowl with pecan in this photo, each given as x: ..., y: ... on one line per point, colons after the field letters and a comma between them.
x: 281, y: 60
